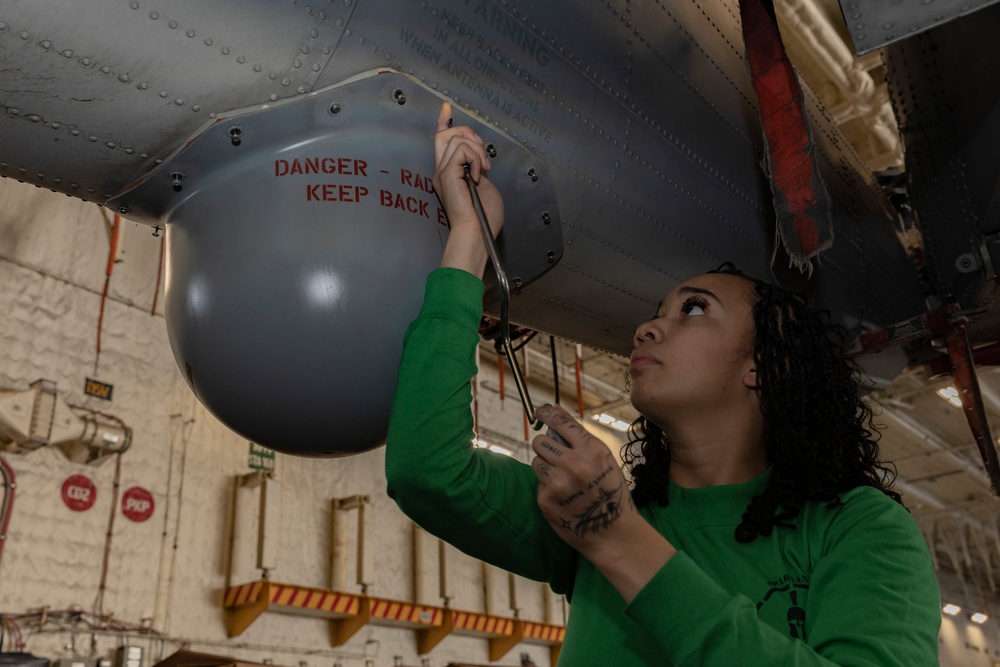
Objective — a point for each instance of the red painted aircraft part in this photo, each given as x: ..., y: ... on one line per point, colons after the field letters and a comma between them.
x: 801, y: 202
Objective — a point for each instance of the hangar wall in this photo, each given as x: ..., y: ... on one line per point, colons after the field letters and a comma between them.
x: 169, y: 572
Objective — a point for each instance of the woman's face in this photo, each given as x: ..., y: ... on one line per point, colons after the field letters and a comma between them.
x: 695, y: 357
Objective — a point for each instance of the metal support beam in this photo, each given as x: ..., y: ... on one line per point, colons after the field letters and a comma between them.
x: 963, y: 372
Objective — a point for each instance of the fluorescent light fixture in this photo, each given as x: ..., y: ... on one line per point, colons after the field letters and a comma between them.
x: 979, y: 617
x: 951, y: 609
x: 950, y: 394
x: 611, y: 422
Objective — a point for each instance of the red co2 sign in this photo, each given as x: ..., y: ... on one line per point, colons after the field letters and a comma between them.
x: 79, y: 493
x: 137, y: 504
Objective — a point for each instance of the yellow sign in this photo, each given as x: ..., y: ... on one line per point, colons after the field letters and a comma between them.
x: 98, y: 389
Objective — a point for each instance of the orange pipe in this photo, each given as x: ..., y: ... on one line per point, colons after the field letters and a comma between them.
x: 107, y: 279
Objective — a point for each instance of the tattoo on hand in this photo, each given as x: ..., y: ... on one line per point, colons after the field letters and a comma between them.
x: 567, y: 500
x: 566, y: 525
x: 569, y: 422
x: 597, y: 480
x: 600, y: 515
x: 555, y: 450
x: 544, y: 469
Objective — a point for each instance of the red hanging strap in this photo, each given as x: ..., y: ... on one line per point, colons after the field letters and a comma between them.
x: 801, y: 202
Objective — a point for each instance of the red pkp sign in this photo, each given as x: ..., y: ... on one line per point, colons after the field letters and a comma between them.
x: 137, y: 504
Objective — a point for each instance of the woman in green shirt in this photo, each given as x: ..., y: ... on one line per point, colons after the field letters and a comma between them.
x: 759, y: 528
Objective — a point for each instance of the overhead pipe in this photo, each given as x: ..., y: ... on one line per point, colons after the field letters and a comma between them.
x: 984, y: 554
x: 913, y: 491
x: 814, y: 37
x: 933, y: 441
x: 931, y: 542
x: 956, y: 565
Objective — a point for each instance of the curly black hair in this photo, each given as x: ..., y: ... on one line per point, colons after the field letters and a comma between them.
x: 821, y: 440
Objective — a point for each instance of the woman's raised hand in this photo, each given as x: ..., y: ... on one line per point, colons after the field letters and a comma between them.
x: 454, y: 148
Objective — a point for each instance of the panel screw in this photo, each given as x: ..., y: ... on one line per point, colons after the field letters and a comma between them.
x: 546, y: 218
x: 399, y: 96
x: 551, y: 256
x: 517, y: 283
x: 236, y: 134
x: 491, y: 150
x: 532, y: 174
x: 176, y: 177
x: 335, y: 108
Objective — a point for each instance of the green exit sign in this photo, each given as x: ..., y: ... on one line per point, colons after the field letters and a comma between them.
x: 260, y: 458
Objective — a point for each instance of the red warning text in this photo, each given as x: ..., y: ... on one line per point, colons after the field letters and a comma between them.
x: 335, y: 192
x: 407, y: 177
x: 321, y: 165
x: 410, y: 204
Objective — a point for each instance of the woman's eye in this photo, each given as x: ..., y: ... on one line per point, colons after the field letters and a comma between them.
x: 694, y: 307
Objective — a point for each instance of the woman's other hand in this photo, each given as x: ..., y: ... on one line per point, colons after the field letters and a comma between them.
x: 582, y: 490
x: 583, y: 494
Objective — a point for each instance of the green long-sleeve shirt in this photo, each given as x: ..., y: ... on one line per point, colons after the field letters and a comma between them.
x: 851, y: 585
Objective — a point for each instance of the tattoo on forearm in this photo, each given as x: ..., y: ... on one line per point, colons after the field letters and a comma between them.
x: 567, y: 500
x: 602, y: 513
x: 597, y: 480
